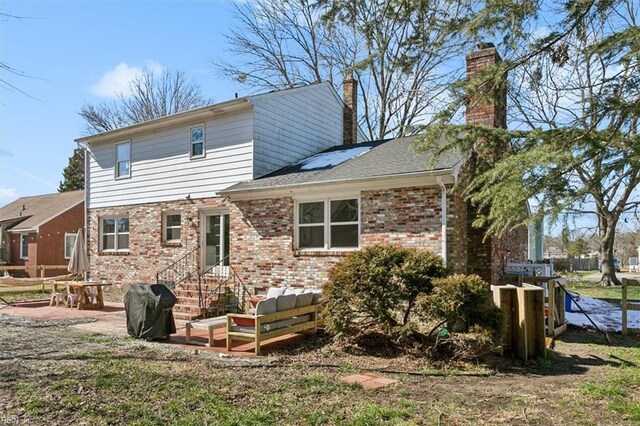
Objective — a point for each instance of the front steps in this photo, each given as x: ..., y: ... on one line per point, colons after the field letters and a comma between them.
x: 188, y: 307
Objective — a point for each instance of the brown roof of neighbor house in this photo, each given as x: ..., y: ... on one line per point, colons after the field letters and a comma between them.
x: 38, y: 209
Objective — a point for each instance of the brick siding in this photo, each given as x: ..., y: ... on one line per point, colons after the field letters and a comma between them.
x: 147, y: 253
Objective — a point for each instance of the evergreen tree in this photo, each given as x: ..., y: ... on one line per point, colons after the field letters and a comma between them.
x: 74, y: 172
x: 574, y: 93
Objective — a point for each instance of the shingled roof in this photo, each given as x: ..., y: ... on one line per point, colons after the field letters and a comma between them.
x: 38, y: 209
x: 389, y: 158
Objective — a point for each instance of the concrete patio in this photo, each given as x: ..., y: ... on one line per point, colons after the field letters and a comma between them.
x: 112, y: 321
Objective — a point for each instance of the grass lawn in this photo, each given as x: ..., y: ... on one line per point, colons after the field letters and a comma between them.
x: 17, y: 296
x: 610, y: 294
x: 58, y: 375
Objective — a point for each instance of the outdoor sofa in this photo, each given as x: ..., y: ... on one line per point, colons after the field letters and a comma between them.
x: 283, y: 311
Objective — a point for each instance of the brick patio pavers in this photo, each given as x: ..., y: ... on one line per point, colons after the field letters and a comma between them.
x: 112, y: 321
x: 368, y: 380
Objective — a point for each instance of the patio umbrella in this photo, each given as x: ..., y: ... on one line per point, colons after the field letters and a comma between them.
x: 79, y: 260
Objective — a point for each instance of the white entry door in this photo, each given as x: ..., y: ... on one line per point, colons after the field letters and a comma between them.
x: 216, y: 242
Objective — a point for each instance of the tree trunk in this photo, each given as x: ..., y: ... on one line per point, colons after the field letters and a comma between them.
x: 607, y: 227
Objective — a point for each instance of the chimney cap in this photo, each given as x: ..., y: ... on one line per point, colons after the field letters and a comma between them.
x: 486, y: 45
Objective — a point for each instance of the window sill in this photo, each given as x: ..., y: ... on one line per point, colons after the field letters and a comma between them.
x: 323, y: 253
x: 171, y: 244
x: 197, y: 157
x: 115, y: 253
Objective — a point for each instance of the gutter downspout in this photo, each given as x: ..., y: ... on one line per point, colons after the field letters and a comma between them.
x: 443, y: 219
x: 86, y: 201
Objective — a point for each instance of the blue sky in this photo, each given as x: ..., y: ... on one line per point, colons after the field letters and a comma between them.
x: 84, y: 52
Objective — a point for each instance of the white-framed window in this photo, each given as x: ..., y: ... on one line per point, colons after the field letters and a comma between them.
x: 329, y: 224
x: 171, y: 225
x: 114, y: 234
x: 197, y: 145
x: 123, y: 160
x: 69, y: 241
x: 24, y: 246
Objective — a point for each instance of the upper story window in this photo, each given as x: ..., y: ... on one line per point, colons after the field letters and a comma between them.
x: 171, y: 225
x: 69, y: 241
x: 114, y: 234
x: 328, y: 224
x: 197, y: 146
x: 24, y: 246
x: 123, y: 160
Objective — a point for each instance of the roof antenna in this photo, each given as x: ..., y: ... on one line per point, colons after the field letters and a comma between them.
x: 23, y: 209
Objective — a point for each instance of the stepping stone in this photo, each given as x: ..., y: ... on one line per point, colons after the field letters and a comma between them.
x: 368, y: 380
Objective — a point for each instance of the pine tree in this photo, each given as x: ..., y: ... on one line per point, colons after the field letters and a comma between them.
x: 574, y: 93
x: 74, y: 172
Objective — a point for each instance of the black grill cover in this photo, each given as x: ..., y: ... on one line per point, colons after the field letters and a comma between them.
x: 149, y: 314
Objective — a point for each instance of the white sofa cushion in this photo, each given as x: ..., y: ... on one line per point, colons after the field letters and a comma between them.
x: 266, y: 306
x: 286, y: 302
x: 316, y: 298
x: 291, y: 290
x: 304, y: 299
x: 274, y: 292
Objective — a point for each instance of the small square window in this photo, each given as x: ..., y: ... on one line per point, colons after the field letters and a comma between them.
x: 172, y: 227
x: 115, y: 234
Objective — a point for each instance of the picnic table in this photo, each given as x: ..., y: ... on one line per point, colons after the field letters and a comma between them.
x: 80, y: 289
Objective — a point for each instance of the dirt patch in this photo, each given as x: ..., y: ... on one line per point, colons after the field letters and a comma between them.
x: 53, y: 373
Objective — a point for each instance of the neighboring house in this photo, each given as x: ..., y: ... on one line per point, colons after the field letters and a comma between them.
x: 40, y: 230
x: 276, y: 186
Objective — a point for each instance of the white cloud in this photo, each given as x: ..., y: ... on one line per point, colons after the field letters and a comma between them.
x: 116, y: 81
x: 8, y: 195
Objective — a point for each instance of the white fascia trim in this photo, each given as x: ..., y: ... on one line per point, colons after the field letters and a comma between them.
x: 344, y: 186
x: 21, y: 230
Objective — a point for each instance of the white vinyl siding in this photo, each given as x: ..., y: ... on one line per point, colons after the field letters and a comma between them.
x: 295, y: 124
x: 163, y: 169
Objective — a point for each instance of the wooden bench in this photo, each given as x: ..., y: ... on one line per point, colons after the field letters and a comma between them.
x: 272, y: 325
x: 209, y: 324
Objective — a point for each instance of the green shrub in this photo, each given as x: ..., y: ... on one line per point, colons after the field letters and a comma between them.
x: 375, y: 289
x: 461, y: 302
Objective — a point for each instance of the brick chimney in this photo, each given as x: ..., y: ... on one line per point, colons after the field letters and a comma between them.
x: 350, y: 114
x: 488, y: 107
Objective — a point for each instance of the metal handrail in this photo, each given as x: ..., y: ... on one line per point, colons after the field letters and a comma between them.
x: 240, y: 289
x: 180, y: 270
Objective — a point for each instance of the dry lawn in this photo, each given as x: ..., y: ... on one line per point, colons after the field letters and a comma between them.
x: 51, y: 373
